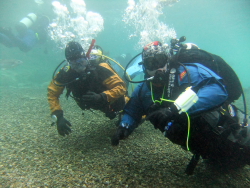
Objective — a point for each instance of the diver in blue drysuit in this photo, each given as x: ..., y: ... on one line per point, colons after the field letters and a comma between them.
x: 211, y: 127
x: 206, y: 83
x: 210, y: 95
x: 31, y: 30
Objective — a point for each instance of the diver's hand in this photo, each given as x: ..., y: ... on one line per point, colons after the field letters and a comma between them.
x: 160, y: 118
x: 121, y: 133
x: 62, y: 124
x: 92, y: 98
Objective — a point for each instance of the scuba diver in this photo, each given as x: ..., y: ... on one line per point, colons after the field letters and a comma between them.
x: 185, y: 96
x: 31, y: 30
x: 90, y: 81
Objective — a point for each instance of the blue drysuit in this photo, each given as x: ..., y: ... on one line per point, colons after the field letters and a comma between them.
x: 25, y: 42
x: 211, y: 93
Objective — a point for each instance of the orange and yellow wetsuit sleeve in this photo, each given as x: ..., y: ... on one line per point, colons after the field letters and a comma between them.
x: 116, y: 86
x: 54, y: 93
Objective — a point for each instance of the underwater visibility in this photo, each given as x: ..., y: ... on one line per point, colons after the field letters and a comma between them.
x: 132, y: 93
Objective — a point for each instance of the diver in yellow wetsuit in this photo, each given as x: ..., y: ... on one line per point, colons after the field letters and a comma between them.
x: 90, y: 81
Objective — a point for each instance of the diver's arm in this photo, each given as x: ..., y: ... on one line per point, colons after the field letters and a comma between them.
x: 116, y: 86
x: 54, y: 93
x: 130, y: 120
x: 208, y: 86
x: 133, y: 110
x: 210, y: 96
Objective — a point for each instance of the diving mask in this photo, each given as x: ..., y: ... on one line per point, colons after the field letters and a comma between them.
x: 154, y: 63
x: 79, y: 64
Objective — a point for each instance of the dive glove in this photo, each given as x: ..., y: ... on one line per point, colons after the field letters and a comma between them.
x: 92, y: 98
x: 62, y: 124
x: 161, y: 117
x: 121, y: 133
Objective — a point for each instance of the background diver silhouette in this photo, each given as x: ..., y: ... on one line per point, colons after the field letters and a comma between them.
x: 31, y: 30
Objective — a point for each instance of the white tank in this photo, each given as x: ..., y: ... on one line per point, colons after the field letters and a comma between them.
x: 29, y: 20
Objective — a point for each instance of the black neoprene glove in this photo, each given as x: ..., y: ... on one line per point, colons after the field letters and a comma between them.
x: 92, y: 98
x: 161, y: 117
x: 62, y: 124
x: 121, y: 133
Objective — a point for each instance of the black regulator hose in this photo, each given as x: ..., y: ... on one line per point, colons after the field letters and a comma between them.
x: 245, y: 120
x: 53, y: 76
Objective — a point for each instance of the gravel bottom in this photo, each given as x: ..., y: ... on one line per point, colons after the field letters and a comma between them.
x: 34, y: 155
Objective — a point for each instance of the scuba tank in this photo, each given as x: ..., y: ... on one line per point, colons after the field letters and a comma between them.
x: 26, y: 23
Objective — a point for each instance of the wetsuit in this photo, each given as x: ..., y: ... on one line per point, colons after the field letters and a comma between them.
x: 100, y: 79
x: 210, y: 90
x: 214, y: 129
